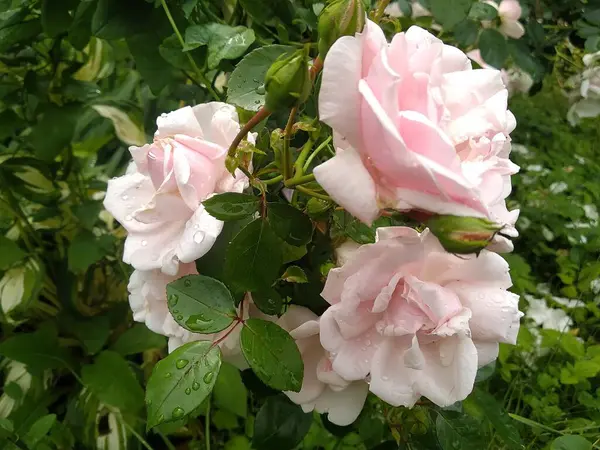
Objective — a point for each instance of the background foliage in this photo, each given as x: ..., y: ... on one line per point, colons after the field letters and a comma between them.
x: 82, y: 80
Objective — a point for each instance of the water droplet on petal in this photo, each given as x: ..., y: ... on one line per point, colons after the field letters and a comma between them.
x: 128, y: 217
x: 125, y: 197
x: 178, y: 412
x: 198, y: 237
x: 208, y: 376
x: 144, y: 243
x: 181, y: 363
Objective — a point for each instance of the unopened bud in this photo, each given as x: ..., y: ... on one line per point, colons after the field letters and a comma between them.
x: 287, y: 81
x: 339, y: 18
x: 463, y: 235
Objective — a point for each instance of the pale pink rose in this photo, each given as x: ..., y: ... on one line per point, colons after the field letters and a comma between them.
x: 415, y: 320
x: 323, y: 390
x: 416, y: 128
x: 159, y: 200
x: 509, y: 12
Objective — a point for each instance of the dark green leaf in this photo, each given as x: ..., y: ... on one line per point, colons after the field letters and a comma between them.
x: 493, y: 47
x: 111, y: 379
x: 10, y: 254
x: 253, y: 257
x: 180, y: 382
x: 294, y: 274
x: 245, y: 87
x: 115, y: 19
x: 571, y: 443
x: 266, y: 10
x: 466, y: 32
x: 138, y: 339
x: 39, y: 350
x: 485, y: 372
x: 39, y: 430
x: 229, y: 392
x: 525, y: 58
x: 273, y: 355
x: 456, y: 431
x: 290, y: 224
x: 200, y: 304
x: 54, y: 131
x: 55, y: 17
x: 231, y: 206
x: 148, y: 61
x: 223, y: 41
x: 92, y: 332
x: 268, y: 301
x: 450, y: 12
x: 87, y: 213
x: 495, y: 413
x: 280, y: 425
x: 19, y: 33
x: 10, y: 122
x: 172, y: 52
x: 483, y: 11
x: 292, y: 253
x: 86, y: 249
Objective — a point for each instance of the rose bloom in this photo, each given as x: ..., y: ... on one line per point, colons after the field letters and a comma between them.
x: 509, y: 12
x: 159, y: 200
x: 323, y: 390
x: 416, y: 127
x: 148, y: 301
x: 415, y: 320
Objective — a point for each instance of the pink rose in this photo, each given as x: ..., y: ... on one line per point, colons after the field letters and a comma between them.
x: 159, y: 200
x: 323, y: 390
x: 509, y: 12
x: 416, y: 127
x: 416, y: 320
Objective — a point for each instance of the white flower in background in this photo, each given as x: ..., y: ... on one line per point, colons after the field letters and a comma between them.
x: 14, y: 372
x: 394, y: 10
x: 509, y: 12
x: 569, y: 303
x: 545, y: 317
x: 520, y: 149
x: 585, y: 95
x: 558, y: 187
x: 591, y: 212
x: 595, y: 286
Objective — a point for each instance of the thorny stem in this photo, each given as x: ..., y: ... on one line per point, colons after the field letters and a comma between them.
x: 299, y: 164
x: 201, y: 75
x: 286, y: 157
x: 300, y: 180
x: 316, y: 68
x: 260, y: 115
x: 324, y: 144
x: 312, y: 193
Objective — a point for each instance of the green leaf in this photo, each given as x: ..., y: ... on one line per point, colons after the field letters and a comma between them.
x: 280, y: 425
x: 485, y: 372
x: 586, y: 368
x: 180, y: 382
x: 11, y: 253
x: 10, y: 122
x: 54, y: 131
x: 571, y: 443
x: 494, y: 412
x: 292, y: 253
x: 231, y: 206
x: 253, y: 257
x: 229, y: 392
x: 138, y: 339
x: 245, y: 87
x: 466, y: 32
x: 115, y: 19
x: 450, y: 12
x: 493, y: 47
x: 148, y: 61
x: 39, y: 350
x: 483, y: 11
x: 223, y: 41
x: 268, y: 301
x: 267, y: 10
x: 86, y: 249
x: 273, y: 355
x: 200, y: 304
x: 290, y: 224
x: 294, y: 274
x: 55, y: 17
x: 572, y: 345
x: 39, y: 430
x: 18, y: 33
x: 92, y: 332
x: 525, y: 59
x: 456, y: 431
x: 111, y: 379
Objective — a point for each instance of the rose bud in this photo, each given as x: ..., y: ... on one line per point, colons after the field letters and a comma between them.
x: 287, y: 81
x: 339, y: 18
x: 463, y: 235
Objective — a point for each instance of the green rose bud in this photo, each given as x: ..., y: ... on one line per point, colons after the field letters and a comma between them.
x: 463, y: 235
x: 339, y: 18
x: 287, y: 81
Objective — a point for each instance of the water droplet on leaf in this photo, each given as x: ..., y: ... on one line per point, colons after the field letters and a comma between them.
x: 168, y: 375
x: 187, y: 283
x: 178, y: 412
x: 188, y: 391
x: 260, y: 90
x: 208, y: 376
x: 181, y: 363
x: 195, y: 385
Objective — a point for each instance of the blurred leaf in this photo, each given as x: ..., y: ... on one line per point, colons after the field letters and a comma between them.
x: 192, y: 368
x: 11, y: 253
x: 245, y: 87
x: 231, y: 205
x: 110, y: 378
x: 495, y: 413
x: 55, y: 17
x: 138, y: 339
x: 200, y: 304
x: 115, y: 19
x: 450, y: 12
x: 267, y: 10
x: 54, y: 131
x: 10, y: 122
x: 493, y: 47
x: 273, y: 355
x: 290, y: 224
x: 456, y: 431
x: 466, y: 32
x: 229, y: 392
x: 92, y: 332
x: 280, y: 425
x: 572, y: 345
x: 485, y: 372
x: 223, y: 41
x: 39, y: 430
x: 148, y: 61
x: 86, y: 249
x: 20, y: 32
x: 571, y: 443
x: 482, y: 11
x: 294, y: 274
x: 126, y: 129
x: 253, y: 257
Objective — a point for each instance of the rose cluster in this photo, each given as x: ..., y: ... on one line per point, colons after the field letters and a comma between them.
x: 416, y: 129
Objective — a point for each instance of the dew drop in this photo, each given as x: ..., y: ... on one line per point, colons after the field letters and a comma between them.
x: 385, y: 378
x: 178, y: 412
x: 195, y: 385
x: 179, y: 317
x: 255, y: 80
x: 260, y: 90
x: 208, y: 376
x: 128, y: 217
x: 198, y: 237
x: 187, y: 283
x: 175, y: 311
x: 161, y: 418
x: 181, y: 363
x: 188, y: 391
x: 144, y: 243
x: 168, y: 375
x: 125, y: 197
x: 173, y: 299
